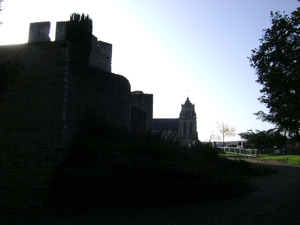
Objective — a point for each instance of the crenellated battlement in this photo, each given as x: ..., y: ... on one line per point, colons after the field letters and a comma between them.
x: 61, y: 30
x: 101, y: 54
x: 39, y: 32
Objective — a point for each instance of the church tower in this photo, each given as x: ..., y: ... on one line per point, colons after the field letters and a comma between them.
x: 187, y: 124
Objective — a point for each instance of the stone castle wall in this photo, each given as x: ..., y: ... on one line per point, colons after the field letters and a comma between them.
x: 38, y: 119
x: 41, y: 112
x: 39, y: 32
x: 108, y: 97
x: 141, y: 112
x: 101, y: 55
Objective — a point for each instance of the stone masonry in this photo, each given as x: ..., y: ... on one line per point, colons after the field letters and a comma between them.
x: 38, y: 120
x: 141, y: 112
x: 41, y: 112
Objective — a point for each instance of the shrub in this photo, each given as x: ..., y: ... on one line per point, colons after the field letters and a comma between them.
x: 107, y: 165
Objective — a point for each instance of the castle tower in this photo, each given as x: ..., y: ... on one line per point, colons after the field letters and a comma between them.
x: 101, y: 54
x: 141, y: 112
x: 187, y: 124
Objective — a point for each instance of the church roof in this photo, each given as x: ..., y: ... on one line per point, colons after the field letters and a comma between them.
x: 166, y: 124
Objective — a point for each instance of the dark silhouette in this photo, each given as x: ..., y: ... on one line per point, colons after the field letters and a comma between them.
x: 79, y: 32
x: 276, y: 62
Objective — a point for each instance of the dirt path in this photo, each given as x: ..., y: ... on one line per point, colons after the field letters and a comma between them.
x: 275, y: 200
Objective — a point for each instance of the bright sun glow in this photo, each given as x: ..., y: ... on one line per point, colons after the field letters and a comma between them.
x: 171, y: 50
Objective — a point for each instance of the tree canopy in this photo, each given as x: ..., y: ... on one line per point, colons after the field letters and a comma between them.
x: 277, y: 65
x: 263, y: 139
x: 1, y: 8
x: 224, y: 131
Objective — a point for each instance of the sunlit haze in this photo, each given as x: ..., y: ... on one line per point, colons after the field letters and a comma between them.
x: 172, y: 49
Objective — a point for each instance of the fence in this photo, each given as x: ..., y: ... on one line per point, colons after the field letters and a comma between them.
x: 240, y: 151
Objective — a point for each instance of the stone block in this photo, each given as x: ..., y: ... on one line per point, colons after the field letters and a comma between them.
x: 61, y: 30
x: 39, y: 32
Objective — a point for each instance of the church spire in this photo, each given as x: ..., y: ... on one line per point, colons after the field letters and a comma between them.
x: 187, y: 123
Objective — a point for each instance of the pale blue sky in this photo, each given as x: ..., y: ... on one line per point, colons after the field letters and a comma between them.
x: 172, y: 49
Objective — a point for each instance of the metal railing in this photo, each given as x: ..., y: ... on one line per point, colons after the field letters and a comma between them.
x: 240, y: 151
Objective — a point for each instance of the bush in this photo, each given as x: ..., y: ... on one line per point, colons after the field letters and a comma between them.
x: 108, y: 166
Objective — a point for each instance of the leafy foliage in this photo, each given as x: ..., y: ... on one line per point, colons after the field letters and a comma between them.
x: 263, y: 139
x: 79, y: 32
x: 1, y: 7
x: 224, y: 131
x: 107, y: 166
x: 277, y: 65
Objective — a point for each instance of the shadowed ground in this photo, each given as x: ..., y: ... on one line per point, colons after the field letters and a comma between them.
x: 275, y: 199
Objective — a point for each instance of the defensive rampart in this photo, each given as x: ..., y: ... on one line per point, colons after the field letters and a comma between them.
x: 40, y: 112
x: 39, y: 118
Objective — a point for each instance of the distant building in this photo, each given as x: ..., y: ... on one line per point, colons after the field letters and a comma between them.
x: 183, y: 129
x: 167, y: 127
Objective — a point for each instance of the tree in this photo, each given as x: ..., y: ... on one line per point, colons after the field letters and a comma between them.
x: 1, y: 7
x: 263, y: 139
x: 277, y: 65
x: 224, y: 131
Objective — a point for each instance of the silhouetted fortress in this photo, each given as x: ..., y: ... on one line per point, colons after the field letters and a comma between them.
x: 41, y: 112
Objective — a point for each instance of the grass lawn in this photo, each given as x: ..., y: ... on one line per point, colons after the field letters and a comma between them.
x: 290, y: 159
